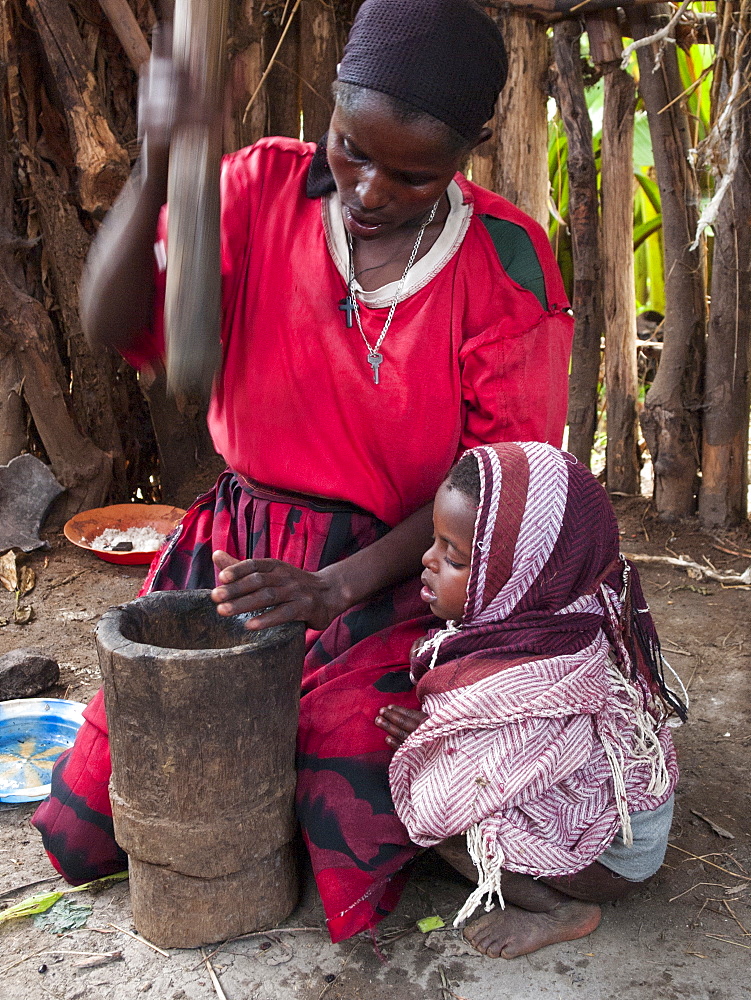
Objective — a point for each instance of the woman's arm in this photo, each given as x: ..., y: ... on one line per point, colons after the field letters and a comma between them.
x: 117, y: 288
x: 294, y: 594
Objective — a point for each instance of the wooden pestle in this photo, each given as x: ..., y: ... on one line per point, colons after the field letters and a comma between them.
x: 192, y: 309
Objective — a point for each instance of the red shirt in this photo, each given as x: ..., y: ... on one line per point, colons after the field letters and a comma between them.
x: 470, y: 358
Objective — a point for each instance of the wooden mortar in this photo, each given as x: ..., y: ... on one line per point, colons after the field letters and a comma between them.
x: 202, y: 721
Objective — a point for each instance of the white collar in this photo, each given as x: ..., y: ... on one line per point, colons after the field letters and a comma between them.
x: 423, y: 271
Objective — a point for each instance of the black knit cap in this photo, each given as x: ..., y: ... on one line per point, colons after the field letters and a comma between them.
x: 443, y: 57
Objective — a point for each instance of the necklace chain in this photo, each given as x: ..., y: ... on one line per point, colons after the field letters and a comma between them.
x: 374, y: 358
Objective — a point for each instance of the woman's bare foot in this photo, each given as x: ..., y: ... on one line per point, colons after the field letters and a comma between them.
x: 512, y: 932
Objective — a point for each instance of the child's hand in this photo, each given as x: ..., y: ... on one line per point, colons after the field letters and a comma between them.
x: 399, y: 723
x: 416, y: 645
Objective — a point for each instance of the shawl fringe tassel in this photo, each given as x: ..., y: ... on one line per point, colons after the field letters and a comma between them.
x: 489, y: 870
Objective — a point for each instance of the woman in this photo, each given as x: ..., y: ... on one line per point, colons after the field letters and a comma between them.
x: 380, y: 315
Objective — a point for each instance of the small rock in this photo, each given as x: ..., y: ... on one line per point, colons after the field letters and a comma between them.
x: 26, y: 672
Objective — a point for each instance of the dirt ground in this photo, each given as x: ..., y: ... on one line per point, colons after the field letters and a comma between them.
x: 688, y: 934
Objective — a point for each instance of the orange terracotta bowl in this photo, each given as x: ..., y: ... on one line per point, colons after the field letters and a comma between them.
x: 89, y: 524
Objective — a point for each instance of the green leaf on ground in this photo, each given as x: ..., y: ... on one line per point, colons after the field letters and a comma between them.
x: 428, y: 924
x: 42, y: 901
x: 65, y: 915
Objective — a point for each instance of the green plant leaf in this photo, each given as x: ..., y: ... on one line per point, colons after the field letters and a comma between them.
x: 44, y: 900
x: 650, y: 189
x: 31, y: 906
x: 428, y: 924
x: 645, y: 230
x: 643, y: 155
x: 66, y: 915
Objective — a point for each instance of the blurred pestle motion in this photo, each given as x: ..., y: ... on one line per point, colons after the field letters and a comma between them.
x: 193, y: 293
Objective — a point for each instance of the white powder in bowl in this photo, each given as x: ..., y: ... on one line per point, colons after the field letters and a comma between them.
x: 141, y: 539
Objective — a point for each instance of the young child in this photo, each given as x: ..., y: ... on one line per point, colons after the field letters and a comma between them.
x: 543, y: 735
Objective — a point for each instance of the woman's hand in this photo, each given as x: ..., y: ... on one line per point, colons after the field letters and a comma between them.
x: 399, y: 723
x: 169, y: 98
x: 293, y: 594
x: 290, y: 594
x: 117, y: 287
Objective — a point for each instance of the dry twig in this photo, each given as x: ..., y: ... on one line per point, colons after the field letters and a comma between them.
x: 675, y: 650
x: 275, y: 53
x: 691, y: 889
x: 737, y: 553
x: 81, y: 954
x: 729, y: 908
x: 67, y: 579
x: 690, y: 89
x: 213, y: 976
x: 254, y: 934
x: 728, y: 941
x: 396, y: 935
x: 137, y: 937
x: 20, y: 961
x: 744, y: 579
x: 663, y: 35
x: 730, y: 114
x: 698, y: 857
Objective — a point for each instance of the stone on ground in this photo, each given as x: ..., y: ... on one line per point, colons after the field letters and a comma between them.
x: 26, y: 672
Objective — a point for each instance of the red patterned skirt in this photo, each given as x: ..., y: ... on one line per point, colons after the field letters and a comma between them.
x: 357, y: 844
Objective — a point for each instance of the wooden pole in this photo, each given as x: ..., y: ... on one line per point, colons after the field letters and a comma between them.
x: 724, y: 485
x: 128, y: 31
x: 192, y: 310
x: 202, y: 722
x: 621, y: 379
x: 515, y: 162
x: 319, y: 55
x: 671, y: 417
x: 246, y: 69
x: 283, y: 86
x: 77, y: 463
x: 584, y: 221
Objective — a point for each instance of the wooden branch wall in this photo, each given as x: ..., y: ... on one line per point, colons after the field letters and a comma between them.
x: 68, y: 113
x: 555, y: 10
x: 621, y: 383
x: 671, y: 419
x: 584, y: 221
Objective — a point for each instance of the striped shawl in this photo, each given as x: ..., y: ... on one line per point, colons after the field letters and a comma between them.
x: 546, y: 727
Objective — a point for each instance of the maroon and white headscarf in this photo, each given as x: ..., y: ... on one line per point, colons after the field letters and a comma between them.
x: 546, y: 704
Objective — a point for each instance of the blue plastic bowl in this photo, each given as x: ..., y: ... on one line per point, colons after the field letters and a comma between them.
x: 33, y: 734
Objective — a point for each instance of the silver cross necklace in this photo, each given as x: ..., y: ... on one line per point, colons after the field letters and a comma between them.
x: 375, y: 358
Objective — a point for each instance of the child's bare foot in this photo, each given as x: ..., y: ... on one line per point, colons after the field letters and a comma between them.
x: 512, y: 932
